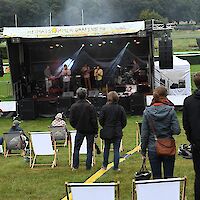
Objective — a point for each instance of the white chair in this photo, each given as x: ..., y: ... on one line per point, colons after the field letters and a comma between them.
x: 91, y: 191
x: 159, y: 189
x: 41, y: 145
x: 83, y: 149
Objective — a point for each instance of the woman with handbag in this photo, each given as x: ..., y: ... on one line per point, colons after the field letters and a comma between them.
x: 112, y: 118
x: 159, y: 124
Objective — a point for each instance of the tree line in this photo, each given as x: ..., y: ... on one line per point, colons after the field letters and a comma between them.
x: 70, y: 12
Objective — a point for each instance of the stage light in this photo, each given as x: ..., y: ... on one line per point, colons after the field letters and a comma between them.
x: 104, y: 42
x: 111, y: 41
x: 91, y: 45
x: 99, y: 44
x: 61, y: 46
x: 137, y: 42
x: 51, y: 47
x: 57, y: 45
x: 83, y: 45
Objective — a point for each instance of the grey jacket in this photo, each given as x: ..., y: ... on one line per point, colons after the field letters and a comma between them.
x: 165, y: 122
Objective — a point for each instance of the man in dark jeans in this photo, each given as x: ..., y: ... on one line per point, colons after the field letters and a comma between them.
x: 191, y: 116
x: 84, y: 119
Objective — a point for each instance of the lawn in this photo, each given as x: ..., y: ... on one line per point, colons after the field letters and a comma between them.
x: 18, y: 181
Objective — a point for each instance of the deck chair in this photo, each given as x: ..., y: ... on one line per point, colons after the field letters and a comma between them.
x: 59, y: 133
x: 138, y: 133
x: 91, y: 191
x: 41, y: 145
x: 83, y: 149
x: 13, y: 142
x: 158, y: 189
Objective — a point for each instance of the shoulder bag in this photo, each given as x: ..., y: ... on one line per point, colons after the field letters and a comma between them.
x: 164, y: 146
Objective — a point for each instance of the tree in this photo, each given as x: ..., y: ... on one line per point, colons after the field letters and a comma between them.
x: 148, y: 15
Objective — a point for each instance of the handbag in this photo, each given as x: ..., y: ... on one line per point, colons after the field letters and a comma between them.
x: 143, y: 173
x: 164, y: 146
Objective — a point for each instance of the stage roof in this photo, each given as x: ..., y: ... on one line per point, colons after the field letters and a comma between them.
x: 74, y: 31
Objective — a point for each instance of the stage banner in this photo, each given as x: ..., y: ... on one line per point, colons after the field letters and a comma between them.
x: 74, y: 31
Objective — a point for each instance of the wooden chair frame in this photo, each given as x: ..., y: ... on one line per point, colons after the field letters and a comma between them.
x: 70, y: 150
x: 138, y: 133
x: 183, y: 192
x: 6, y: 151
x: 70, y: 185
x: 33, y: 156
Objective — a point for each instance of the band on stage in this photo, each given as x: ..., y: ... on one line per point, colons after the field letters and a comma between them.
x: 94, y: 78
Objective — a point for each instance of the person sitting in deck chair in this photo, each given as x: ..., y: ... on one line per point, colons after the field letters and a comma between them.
x: 16, y: 127
x: 59, y: 122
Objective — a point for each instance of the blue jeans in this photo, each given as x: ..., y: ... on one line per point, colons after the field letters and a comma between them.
x: 1, y: 140
x: 156, y: 163
x: 116, y: 143
x: 78, y: 142
x: 196, y: 163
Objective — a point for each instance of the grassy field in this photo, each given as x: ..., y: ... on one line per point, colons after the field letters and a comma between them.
x: 20, y: 182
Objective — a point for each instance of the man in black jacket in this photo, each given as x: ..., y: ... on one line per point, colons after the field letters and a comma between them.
x: 84, y: 119
x: 191, y: 124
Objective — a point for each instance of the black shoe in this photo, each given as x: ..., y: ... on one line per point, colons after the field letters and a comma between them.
x: 117, y: 169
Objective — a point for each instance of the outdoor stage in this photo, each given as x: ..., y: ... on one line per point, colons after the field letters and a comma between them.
x: 49, y: 106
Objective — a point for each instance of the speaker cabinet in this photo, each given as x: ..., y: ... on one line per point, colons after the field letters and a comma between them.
x: 27, y: 109
x: 165, y: 53
x: 47, y: 108
x: 64, y: 104
x: 137, y: 103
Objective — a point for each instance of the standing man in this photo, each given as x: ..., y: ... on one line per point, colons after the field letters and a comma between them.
x: 191, y: 116
x: 98, y: 75
x: 84, y: 119
x: 86, y: 75
x: 48, y: 78
x: 66, y: 76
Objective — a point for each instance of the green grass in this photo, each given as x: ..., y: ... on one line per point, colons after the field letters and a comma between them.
x: 18, y: 181
x: 6, y: 87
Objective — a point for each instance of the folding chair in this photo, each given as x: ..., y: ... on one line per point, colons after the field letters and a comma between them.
x: 138, y: 133
x: 41, y: 145
x: 12, y: 142
x: 91, y: 191
x: 83, y: 149
x: 158, y: 189
x: 59, y: 133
